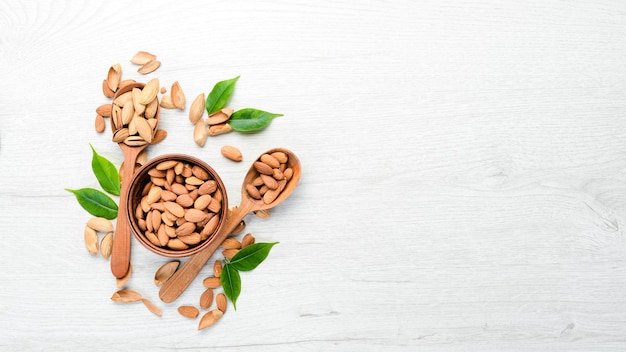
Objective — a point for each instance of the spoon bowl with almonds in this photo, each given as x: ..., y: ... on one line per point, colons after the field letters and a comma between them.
x: 135, y: 118
x: 280, y: 170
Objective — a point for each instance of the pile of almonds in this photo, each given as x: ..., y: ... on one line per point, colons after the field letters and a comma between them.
x: 273, y: 175
x: 180, y: 205
x: 134, y: 115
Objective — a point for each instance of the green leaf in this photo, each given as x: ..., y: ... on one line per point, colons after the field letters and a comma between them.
x: 251, y: 256
x: 220, y: 94
x: 248, y: 120
x: 95, y: 202
x: 231, y: 282
x: 106, y: 173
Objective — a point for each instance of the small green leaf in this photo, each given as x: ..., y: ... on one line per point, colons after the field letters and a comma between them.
x: 220, y: 94
x: 251, y: 256
x: 95, y: 202
x: 248, y: 120
x: 231, y: 282
x: 106, y: 173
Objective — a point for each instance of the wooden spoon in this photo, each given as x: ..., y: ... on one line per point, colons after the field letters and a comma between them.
x: 176, y: 284
x: 120, y: 255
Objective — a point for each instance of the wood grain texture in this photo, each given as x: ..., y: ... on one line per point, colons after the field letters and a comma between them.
x: 462, y: 188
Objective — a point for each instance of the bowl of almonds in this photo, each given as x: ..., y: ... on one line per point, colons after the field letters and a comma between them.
x: 176, y: 204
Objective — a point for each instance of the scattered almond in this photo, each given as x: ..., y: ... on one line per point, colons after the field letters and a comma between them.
x: 210, y: 318
x: 108, y: 92
x: 188, y: 311
x: 149, y: 67
x: 222, y: 128
x: 219, y: 117
x: 231, y: 153
x: 114, y: 77
x: 229, y: 253
x: 206, y: 299
x: 99, y: 123
x: 167, y: 103
x: 211, y: 282
x: 152, y: 307
x: 217, y: 268
x: 165, y: 272
x: 263, y: 214
x: 178, y: 96
x: 200, y: 133
x: 91, y: 240
x: 197, y: 109
x: 231, y: 243
x: 142, y: 57
x: 220, y: 300
x: 104, y: 110
x: 247, y: 240
x: 126, y: 296
x: 106, y: 245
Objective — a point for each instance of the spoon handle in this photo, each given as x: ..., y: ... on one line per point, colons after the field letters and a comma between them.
x: 177, y: 284
x: 120, y: 255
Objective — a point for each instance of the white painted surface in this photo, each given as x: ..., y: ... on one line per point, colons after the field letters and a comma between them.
x: 463, y: 186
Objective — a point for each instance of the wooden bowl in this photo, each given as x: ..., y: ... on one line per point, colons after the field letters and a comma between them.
x: 139, y: 190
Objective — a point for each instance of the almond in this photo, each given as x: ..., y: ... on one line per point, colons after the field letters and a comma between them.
x: 114, y: 77
x: 167, y: 103
x: 184, y: 200
x: 91, y: 240
x: 126, y: 296
x: 206, y: 299
x: 230, y: 243
x: 229, y: 253
x: 253, y: 191
x: 263, y: 168
x: 217, y: 268
x: 231, y: 153
x: 197, y: 109
x: 104, y: 110
x: 200, y: 133
x: 152, y: 307
x: 220, y: 300
x: 99, y: 123
x: 208, y: 187
x: 106, y: 245
x: 106, y: 90
x: 175, y: 209
x: 177, y: 244
x: 192, y: 239
x: 247, y: 240
x: 149, y: 67
x: 188, y: 311
x: 100, y: 224
x: 202, y: 202
x: 178, y: 96
x: 194, y: 215
x: 149, y: 91
x: 142, y: 57
x: 210, y: 318
x: 263, y: 214
x: 151, y: 109
x: 211, y: 282
x: 159, y: 135
x: 164, y: 165
x: 269, y: 181
x: 270, y: 160
x: 222, y: 128
x: 219, y: 117
x: 143, y: 128
x: 165, y: 272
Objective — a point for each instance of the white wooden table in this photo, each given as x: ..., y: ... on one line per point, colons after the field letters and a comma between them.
x: 464, y: 184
